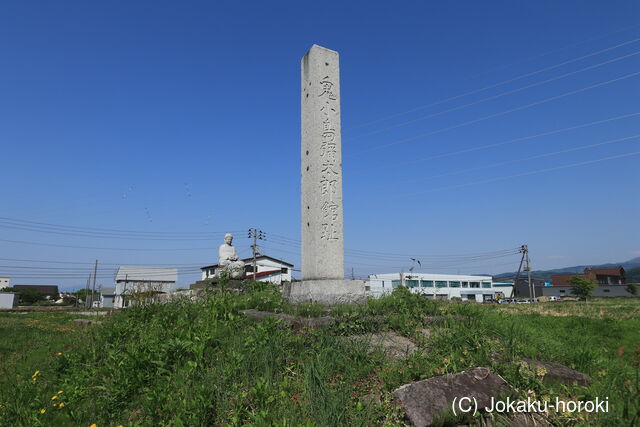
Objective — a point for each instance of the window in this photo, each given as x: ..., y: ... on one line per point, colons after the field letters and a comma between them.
x: 395, y: 283
x: 441, y: 284
x: 486, y: 284
x: 412, y: 283
x: 465, y: 284
x: 454, y: 284
x: 427, y: 284
x: 475, y: 284
x: 284, y: 270
x: 607, y: 290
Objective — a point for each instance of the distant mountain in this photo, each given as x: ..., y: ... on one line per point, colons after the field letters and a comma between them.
x: 546, y: 274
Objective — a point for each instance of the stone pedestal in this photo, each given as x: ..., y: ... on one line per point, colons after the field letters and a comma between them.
x: 329, y: 292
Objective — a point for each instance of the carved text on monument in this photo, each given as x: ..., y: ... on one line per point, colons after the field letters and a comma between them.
x: 329, y: 171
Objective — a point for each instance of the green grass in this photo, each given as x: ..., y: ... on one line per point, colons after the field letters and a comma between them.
x: 203, y: 363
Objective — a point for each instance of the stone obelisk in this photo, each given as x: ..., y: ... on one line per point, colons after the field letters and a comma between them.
x: 322, y: 224
x: 322, y: 221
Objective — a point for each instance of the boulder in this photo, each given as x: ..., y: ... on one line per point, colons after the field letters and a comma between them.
x: 424, y: 401
x: 394, y: 345
x: 295, y: 322
x: 85, y: 322
x: 440, y: 319
x: 556, y: 372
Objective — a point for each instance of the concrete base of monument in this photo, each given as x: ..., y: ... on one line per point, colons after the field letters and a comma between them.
x: 329, y: 291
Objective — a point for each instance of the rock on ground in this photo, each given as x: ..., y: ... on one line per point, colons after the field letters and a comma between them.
x: 556, y: 372
x: 425, y: 400
x: 440, y: 319
x: 295, y: 322
x: 394, y: 345
x: 85, y: 322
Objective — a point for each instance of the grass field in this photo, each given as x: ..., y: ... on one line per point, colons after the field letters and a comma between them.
x: 203, y: 363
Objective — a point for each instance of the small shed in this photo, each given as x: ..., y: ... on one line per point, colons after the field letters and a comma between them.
x: 8, y: 299
x: 108, y: 296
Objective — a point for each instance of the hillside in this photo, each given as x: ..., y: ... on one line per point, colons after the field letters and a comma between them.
x: 631, y: 265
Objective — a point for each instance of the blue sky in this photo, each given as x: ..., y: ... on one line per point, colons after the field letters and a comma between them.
x: 184, y: 117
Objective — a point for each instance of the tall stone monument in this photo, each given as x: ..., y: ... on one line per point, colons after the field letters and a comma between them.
x: 322, y: 221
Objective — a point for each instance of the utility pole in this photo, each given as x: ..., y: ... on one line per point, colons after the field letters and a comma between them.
x: 93, y: 291
x: 532, y: 290
x: 524, y: 250
x: 124, y: 291
x: 256, y: 234
x: 86, y: 295
x: 515, y: 281
x: 353, y: 277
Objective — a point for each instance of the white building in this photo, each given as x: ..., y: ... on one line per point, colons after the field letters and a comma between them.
x: 5, y: 282
x: 131, y: 280
x: 439, y: 286
x: 269, y: 270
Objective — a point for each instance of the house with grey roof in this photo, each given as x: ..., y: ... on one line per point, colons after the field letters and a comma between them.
x: 135, y: 281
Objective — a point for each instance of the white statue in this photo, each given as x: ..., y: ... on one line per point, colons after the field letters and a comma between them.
x: 228, y: 260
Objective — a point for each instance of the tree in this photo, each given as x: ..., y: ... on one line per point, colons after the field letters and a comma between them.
x: 84, y: 293
x: 632, y: 288
x: 582, y: 287
x: 31, y: 296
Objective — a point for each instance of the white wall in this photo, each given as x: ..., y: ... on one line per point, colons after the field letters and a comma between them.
x: 8, y: 299
x: 139, y: 286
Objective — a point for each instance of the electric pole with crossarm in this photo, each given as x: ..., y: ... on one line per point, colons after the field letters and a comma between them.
x: 256, y: 234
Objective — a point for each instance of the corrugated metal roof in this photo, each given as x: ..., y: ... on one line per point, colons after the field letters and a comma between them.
x: 148, y: 274
x: 108, y: 291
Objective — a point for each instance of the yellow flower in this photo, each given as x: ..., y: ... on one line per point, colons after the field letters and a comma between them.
x: 54, y: 397
x: 42, y: 411
x: 60, y: 392
x: 93, y: 425
x: 35, y: 374
x: 61, y: 405
x: 59, y: 353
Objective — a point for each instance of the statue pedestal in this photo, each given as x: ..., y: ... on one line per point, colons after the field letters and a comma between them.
x: 328, y: 291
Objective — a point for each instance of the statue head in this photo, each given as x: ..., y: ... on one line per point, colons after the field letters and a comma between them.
x: 228, y: 238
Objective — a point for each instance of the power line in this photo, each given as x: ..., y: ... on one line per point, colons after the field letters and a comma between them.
x: 522, y: 76
x: 539, y: 156
x: 111, y: 230
x: 519, y: 139
x: 501, y: 113
x: 603, y: 159
x: 499, y: 95
x: 105, y: 249
x: 40, y: 229
x: 88, y: 263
